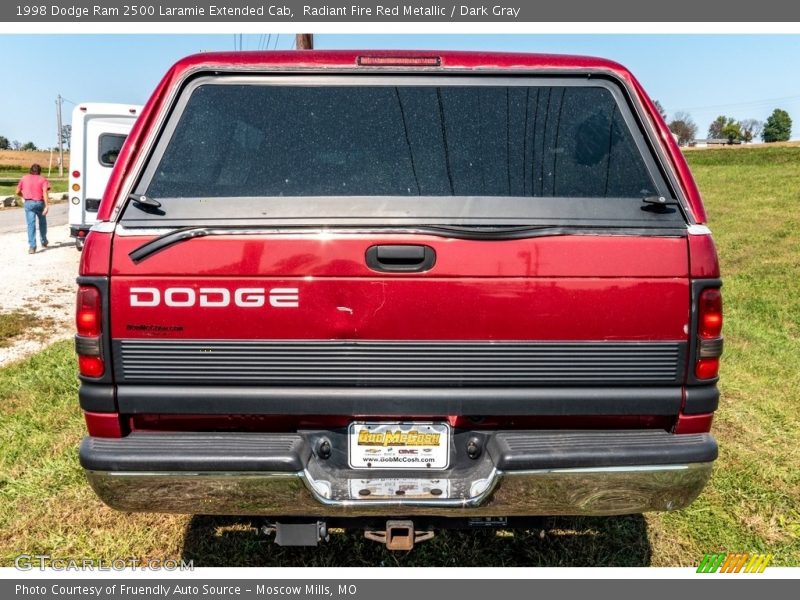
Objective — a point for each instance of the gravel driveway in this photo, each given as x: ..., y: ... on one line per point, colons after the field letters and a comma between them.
x: 42, y: 283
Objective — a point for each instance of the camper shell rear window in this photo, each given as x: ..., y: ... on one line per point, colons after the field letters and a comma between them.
x: 449, y: 150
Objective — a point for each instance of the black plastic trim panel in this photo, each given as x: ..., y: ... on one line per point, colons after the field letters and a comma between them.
x: 357, y: 211
x: 291, y: 452
x: 701, y: 399
x: 97, y: 397
x: 228, y: 399
x: 196, y: 451
x: 525, y: 450
x: 88, y: 346
x: 404, y: 364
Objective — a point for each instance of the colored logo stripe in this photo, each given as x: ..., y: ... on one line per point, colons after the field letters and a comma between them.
x: 710, y: 563
x: 734, y: 563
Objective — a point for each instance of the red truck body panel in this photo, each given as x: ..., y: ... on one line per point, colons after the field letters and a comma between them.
x: 295, y: 289
x: 559, y: 288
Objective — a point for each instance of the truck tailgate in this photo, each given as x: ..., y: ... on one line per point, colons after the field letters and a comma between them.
x: 561, y: 310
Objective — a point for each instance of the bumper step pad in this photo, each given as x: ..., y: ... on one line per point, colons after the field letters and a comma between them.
x: 531, y: 450
x: 196, y: 452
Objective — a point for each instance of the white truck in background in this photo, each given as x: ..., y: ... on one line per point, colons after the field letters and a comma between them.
x: 98, y: 132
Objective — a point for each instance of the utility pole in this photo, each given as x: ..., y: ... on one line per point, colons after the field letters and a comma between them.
x: 60, y: 137
x: 305, y: 41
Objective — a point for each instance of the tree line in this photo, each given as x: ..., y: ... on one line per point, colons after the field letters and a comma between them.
x: 66, y: 139
x: 5, y: 144
x: 777, y: 127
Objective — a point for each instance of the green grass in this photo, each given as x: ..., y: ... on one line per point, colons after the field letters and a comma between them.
x: 10, y: 176
x: 751, y: 504
x: 754, y: 501
x: 57, y: 186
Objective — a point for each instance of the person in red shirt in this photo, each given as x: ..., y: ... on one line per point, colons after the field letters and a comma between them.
x: 33, y: 188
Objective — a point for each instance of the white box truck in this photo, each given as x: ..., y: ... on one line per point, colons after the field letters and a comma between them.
x: 98, y: 132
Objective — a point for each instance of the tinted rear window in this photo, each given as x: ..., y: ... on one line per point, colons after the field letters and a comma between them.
x: 235, y: 140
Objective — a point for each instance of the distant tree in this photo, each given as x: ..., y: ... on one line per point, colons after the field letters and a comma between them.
x: 66, y: 136
x: 4, y: 143
x: 732, y: 131
x: 726, y: 128
x: 15, y: 145
x: 751, y: 129
x: 28, y: 146
x: 778, y: 127
x: 661, y: 110
x: 684, y: 127
x: 716, y: 127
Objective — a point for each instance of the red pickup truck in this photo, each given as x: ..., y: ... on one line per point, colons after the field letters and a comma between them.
x: 398, y: 291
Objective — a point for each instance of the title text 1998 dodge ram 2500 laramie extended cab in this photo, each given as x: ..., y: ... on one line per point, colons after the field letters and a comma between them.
x: 398, y: 291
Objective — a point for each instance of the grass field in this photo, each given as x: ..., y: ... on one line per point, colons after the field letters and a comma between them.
x: 22, y: 159
x: 15, y: 163
x: 751, y: 505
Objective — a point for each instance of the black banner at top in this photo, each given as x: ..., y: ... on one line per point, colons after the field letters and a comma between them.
x: 409, y: 11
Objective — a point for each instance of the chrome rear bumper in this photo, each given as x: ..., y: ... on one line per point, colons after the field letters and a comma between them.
x: 594, y: 491
x: 515, y: 473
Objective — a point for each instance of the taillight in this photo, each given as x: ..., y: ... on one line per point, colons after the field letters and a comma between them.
x: 91, y: 366
x: 89, y: 319
x: 88, y: 316
x: 706, y: 368
x: 709, y: 334
x: 709, y: 312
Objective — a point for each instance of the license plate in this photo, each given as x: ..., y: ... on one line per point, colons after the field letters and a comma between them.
x: 399, y: 445
x: 364, y: 489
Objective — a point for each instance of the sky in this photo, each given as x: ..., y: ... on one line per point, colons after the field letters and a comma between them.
x: 743, y: 76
